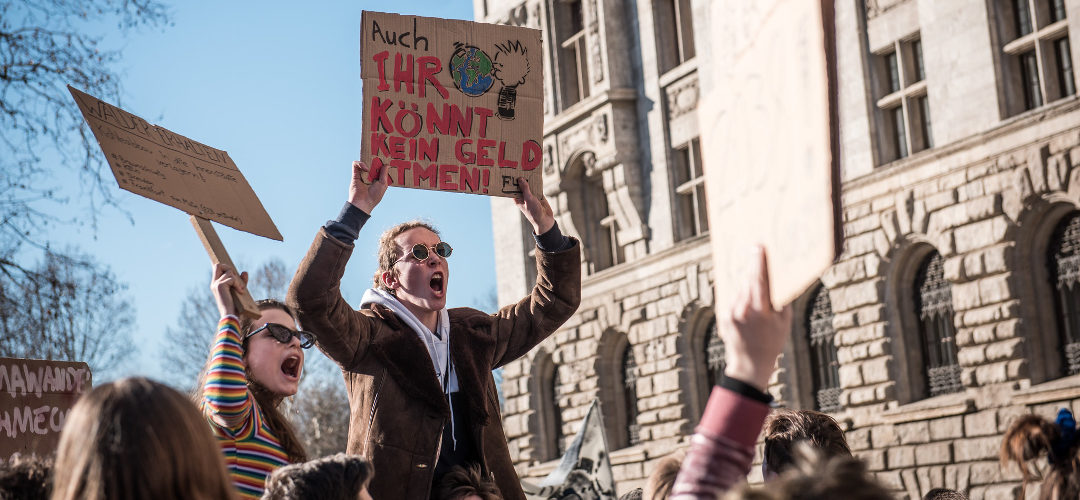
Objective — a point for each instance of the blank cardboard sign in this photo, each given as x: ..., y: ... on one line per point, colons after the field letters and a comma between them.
x: 452, y: 105
x: 154, y: 162
x: 35, y: 398
x: 768, y: 135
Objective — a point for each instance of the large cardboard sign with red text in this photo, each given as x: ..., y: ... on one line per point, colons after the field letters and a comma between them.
x: 35, y: 398
x: 452, y: 105
x: 167, y: 167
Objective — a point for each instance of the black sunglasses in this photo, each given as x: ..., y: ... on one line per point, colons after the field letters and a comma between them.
x: 420, y: 251
x: 285, y: 334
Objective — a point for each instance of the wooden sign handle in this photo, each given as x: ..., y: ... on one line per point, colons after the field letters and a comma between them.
x: 245, y: 305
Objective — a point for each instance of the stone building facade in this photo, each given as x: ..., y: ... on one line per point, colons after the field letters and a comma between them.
x: 954, y: 306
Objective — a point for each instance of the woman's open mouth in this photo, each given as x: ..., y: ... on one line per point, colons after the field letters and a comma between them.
x: 291, y: 367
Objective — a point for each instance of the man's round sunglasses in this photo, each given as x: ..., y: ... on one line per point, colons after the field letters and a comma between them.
x: 420, y: 251
x: 284, y: 334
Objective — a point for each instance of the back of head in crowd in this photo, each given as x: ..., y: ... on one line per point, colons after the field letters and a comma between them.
x: 25, y: 478
x: 337, y: 477
x: 466, y: 484
x: 785, y: 427
x: 662, y: 479
x: 944, y: 494
x: 1029, y: 438
x: 634, y: 494
x: 815, y: 476
x: 137, y: 439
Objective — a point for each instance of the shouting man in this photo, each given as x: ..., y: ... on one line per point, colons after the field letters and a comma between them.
x: 418, y: 375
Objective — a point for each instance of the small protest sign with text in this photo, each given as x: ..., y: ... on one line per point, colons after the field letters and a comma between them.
x: 167, y: 167
x: 35, y: 398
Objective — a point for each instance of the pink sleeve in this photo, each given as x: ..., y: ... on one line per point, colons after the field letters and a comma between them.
x: 722, y: 448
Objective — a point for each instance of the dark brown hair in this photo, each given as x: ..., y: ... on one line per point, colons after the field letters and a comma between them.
x: 25, y: 478
x: 1030, y: 437
x: 814, y: 476
x: 135, y: 439
x: 268, y: 401
x: 461, y: 482
x: 388, y: 249
x: 658, y: 485
x: 785, y: 427
x: 335, y: 477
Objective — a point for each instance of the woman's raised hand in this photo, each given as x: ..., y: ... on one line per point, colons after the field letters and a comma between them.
x: 224, y: 282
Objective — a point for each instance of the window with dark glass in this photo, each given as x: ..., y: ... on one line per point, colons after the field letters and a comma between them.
x: 713, y: 349
x: 629, y: 372
x: 1063, y: 260
x: 1065, y: 66
x: 1023, y: 17
x: 573, y: 66
x: 823, y: 360
x: 933, y: 302
x: 1037, y: 59
x: 675, y: 33
x: 1032, y: 89
x: 559, y: 441
x: 691, y: 215
x: 595, y: 222
x: 902, y: 100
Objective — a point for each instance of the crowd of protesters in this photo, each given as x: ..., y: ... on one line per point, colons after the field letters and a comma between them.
x: 424, y: 417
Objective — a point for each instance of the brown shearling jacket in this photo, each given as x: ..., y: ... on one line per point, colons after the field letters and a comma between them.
x: 398, y: 409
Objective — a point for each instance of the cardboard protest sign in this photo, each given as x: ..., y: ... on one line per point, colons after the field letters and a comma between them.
x: 452, y: 105
x: 167, y: 167
x: 35, y: 398
x: 769, y: 141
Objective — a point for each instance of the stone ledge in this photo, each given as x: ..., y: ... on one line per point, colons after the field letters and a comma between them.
x: 1065, y: 388
x: 941, y: 406
x: 584, y: 108
x: 629, y: 455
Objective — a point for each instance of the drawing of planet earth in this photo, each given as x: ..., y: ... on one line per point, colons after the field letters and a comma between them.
x: 471, y: 69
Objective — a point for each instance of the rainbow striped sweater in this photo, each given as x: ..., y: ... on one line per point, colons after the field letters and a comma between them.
x: 251, y: 450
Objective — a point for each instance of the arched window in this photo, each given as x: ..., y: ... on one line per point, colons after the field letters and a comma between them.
x: 714, y: 357
x: 933, y: 303
x: 548, y: 431
x: 822, y: 340
x: 629, y: 371
x: 1063, y: 260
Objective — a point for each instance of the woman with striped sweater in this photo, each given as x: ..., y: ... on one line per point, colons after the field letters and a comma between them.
x: 253, y: 366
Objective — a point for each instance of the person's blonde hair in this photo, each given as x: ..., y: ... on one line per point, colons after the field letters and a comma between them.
x: 389, y: 252
x: 662, y: 479
x: 135, y: 439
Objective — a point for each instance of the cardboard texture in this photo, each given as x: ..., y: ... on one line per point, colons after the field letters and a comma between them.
x: 769, y: 142
x: 154, y: 162
x: 452, y: 105
x: 35, y: 398
x: 245, y: 305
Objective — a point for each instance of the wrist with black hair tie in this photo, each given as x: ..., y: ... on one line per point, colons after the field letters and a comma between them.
x: 744, y: 389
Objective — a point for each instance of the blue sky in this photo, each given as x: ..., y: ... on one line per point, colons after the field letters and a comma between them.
x: 277, y: 85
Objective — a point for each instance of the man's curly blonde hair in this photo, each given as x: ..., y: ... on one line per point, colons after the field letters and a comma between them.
x: 388, y: 250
